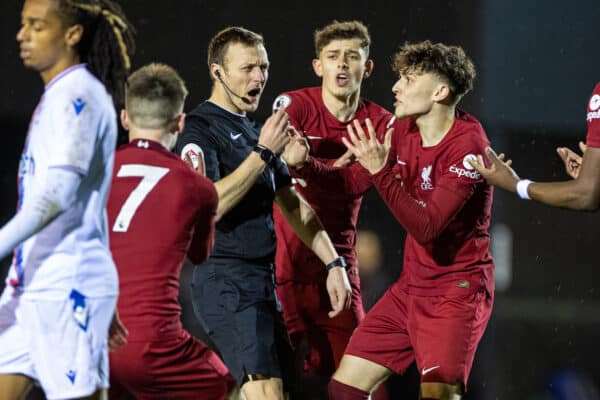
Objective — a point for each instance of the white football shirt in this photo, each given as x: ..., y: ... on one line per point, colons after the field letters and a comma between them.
x: 73, y: 127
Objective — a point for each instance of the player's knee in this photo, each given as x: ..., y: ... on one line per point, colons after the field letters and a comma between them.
x: 263, y: 389
x: 441, y: 391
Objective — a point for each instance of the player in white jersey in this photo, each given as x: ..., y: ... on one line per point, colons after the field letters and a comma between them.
x: 61, y: 290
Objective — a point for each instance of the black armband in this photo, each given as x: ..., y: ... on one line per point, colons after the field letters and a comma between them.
x: 338, y: 262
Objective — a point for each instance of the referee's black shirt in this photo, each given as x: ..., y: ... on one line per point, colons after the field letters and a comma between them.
x: 226, y: 139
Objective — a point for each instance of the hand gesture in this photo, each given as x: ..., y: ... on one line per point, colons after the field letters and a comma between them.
x: 499, y: 173
x: 296, y: 151
x: 117, y: 333
x: 339, y: 290
x: 345, y: 160
x: 274, y: 133
x: 572, y: 160
x: 371, y: 154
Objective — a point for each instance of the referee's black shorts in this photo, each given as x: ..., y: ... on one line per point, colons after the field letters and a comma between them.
x: 235, y: 302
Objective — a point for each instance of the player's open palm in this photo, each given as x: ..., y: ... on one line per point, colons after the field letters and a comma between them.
x: 571, y: 159
x: 499, y: 173
x: 296, y: 151
x: 369, y: 152
x: 274, y: 133
x: 339, y: 290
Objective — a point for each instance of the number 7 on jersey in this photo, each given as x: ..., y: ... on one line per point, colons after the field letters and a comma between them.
x: 150, y: 178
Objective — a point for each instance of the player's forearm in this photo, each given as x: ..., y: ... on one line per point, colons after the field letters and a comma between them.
x: 423, y: 223
x: 57, y: 196
x: 575, y: 194
x: 232, y: 188
x: 350, y: 180
x: 307, y: 226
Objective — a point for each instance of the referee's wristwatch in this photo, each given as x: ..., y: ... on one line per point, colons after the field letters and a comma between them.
x: 265, y: 154
x: 338, y: 262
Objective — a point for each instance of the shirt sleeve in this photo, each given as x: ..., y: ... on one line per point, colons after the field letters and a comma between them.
x: 353, y: 180
x: 453, y: 189
x: 197, y: 140
x: 593, y: 118
x: 203, y: 237
x: 281, y: 174
x: 77, y: 122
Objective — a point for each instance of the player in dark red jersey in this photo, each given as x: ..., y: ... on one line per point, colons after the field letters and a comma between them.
x: 437, y: 311
x: 159, y: 210
x: 581, y: 193
x: 321, y: 114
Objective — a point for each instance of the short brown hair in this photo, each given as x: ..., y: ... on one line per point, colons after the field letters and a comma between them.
x: 217, y: 47
x: 342, y: 30
x: 450, y: 63
x: 154, y: 96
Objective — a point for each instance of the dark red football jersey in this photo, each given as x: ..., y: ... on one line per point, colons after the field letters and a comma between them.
x: 159, y: 210
x: 445, y: 207
x: 337, y: 208
x: 593, y: 118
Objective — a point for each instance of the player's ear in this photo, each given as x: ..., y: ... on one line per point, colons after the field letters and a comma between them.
x: 442, y: 93
x: 73, y: 35
x: 125, y: 119
x: 317, y: 67
x: 180, y: 121
x: 369, y: 65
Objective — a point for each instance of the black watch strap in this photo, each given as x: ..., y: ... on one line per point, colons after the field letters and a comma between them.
x: 265, y: 154
x: 338, y: 262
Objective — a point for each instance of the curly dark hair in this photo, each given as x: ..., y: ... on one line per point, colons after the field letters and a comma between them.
x: 450, y: 63
x: 342, y: 30
x: 107, y: 43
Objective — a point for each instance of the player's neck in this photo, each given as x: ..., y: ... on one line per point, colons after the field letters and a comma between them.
x: 155, y: 135
x: 341, y: 108
x: 224, y: 100
x: 61, y: 65
x: 434, y: 125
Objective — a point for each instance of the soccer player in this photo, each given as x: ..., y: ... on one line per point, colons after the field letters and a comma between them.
x: 438, y: 309
x: 233, y: 292
x: 581, y: 193
x: 322, y: 114
x: 62, y: 287
x: 157, y: 207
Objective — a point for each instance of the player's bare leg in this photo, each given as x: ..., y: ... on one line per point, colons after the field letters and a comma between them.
x: 263, y: 389
x: 361, y: 373
x: 14, y: 386
x: 441, y: 391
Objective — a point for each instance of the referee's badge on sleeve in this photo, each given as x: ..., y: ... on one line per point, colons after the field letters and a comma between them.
x: 194, y: 156
x: 283, y: 100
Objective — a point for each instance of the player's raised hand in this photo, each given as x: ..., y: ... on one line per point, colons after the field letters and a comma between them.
x: 296, y: 151
x: 499, y: 172
x: 274, y: 133
x: 117, y: 333
x: 339, y: 290
x: 371, y: 154
x: 571, y: 159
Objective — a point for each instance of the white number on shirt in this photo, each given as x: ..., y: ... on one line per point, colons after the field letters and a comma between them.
x: 150, y: 177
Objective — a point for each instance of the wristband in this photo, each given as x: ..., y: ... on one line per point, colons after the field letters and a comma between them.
x: 338, y: 262
x: 522, y: 186
x: 265, y: 154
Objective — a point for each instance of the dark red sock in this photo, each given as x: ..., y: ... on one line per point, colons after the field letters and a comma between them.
x: 341, y: 391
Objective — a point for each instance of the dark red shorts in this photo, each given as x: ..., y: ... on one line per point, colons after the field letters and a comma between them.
x: 180, y: 367
x: 441, y: 333
x: 305, y: 309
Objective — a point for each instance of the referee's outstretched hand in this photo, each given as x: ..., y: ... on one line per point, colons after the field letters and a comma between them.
x: 274, y: 133
x: 340, y: 292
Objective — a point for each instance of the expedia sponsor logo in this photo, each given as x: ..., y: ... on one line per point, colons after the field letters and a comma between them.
x: 463, y: 172
x: 593, y: 115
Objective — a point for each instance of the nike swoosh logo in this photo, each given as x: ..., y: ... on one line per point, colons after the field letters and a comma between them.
x: 233, y: 136
x: 428, y: 370
x: 399, y: 161
x: 313, y: 137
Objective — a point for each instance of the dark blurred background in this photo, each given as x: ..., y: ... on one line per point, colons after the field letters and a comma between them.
x: 537, y: 62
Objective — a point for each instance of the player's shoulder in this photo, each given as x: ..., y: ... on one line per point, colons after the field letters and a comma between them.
x: 299, y: 97
x: 594, y: 102
x: 468, y: 136
x: 469, y: 126
x: 374, y: 110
